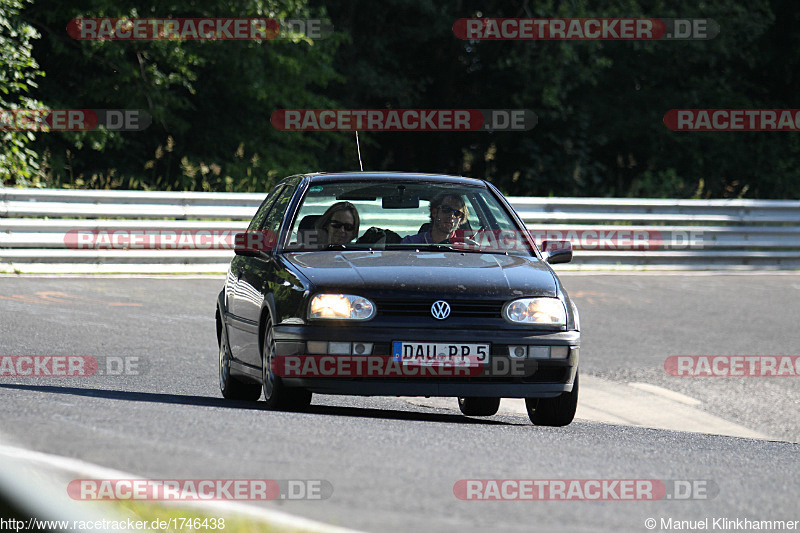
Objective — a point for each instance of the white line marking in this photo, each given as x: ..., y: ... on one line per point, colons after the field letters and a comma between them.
x: 83, y: 468
x: 666, y: 393
x: 614, y: 403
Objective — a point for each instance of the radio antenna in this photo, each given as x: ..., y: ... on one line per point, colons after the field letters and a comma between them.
x: 358, y: 146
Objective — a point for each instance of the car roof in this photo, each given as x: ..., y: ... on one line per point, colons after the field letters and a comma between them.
x: 393, y: 176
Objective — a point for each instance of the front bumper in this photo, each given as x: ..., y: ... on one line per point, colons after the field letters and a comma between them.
x: 504, y: 377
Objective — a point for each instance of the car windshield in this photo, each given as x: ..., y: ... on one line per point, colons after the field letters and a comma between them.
x: 416, y: 215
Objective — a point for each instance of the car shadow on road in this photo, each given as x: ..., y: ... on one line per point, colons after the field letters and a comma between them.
x: 391, y: 414
x: 207, y: 401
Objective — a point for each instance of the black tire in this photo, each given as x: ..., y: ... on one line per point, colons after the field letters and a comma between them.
x: 557, y: 411
x: 479, y: 406
x: 279, y: 397
x: 232, y: 388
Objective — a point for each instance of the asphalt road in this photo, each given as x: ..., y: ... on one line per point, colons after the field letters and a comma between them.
x: 393, y: 465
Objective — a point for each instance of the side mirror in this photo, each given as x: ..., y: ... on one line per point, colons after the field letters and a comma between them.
x: 254, y: 243
x: 555, y: 252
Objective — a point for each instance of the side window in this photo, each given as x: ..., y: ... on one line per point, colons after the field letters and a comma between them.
x: 275, y: 216
x: 261, y: 214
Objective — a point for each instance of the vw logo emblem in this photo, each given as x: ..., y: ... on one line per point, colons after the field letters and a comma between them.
x: 440, y: 309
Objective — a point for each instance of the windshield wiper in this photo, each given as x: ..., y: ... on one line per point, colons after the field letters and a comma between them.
x: 420, y: 246
x: 458, y: 247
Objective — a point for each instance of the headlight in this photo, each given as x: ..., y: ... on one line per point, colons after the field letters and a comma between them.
x: 341, y: 307
x: 542, y: 311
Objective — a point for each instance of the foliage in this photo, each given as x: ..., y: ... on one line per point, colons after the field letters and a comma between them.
x: 18, y: 74
x: 600, y: 104
x: 210, y: 100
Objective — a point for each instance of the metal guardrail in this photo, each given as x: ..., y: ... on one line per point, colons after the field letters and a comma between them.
x: 40, y: 231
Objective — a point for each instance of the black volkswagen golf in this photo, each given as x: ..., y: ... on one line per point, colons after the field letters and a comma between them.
x: 397, y: 284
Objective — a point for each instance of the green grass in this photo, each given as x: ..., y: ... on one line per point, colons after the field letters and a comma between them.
x: 150, y: 511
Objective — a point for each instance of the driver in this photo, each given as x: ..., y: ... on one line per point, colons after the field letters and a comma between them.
x: 338, y: 224
x: 448, y: 212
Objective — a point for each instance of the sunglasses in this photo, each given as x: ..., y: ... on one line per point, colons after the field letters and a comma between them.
x: 447, y: 210
x: 335, y: 224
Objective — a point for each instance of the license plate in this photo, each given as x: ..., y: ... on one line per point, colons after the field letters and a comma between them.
x: 440, y: 353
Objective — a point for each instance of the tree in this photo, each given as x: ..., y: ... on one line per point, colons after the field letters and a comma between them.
x: 600, y: 103
x: 18, y: 74
x: 210, y: 100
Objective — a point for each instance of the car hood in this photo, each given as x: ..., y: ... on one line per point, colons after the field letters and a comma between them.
x: 400, y: 271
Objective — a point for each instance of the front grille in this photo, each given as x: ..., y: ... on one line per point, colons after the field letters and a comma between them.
x: 458, y: 308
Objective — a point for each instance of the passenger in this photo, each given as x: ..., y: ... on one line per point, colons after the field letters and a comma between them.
x: 338, y: 224
x: 448, y: 212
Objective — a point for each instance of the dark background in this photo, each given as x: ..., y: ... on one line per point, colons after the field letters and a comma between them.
x: 600, y: 104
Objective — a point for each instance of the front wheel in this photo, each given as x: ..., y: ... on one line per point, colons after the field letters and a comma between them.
x: 278, y: 396
x: 479, y: 406
x: 557, y: 411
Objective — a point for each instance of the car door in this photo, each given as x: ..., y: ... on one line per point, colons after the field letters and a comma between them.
x: 253, y: 277
x: 239, y: 331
